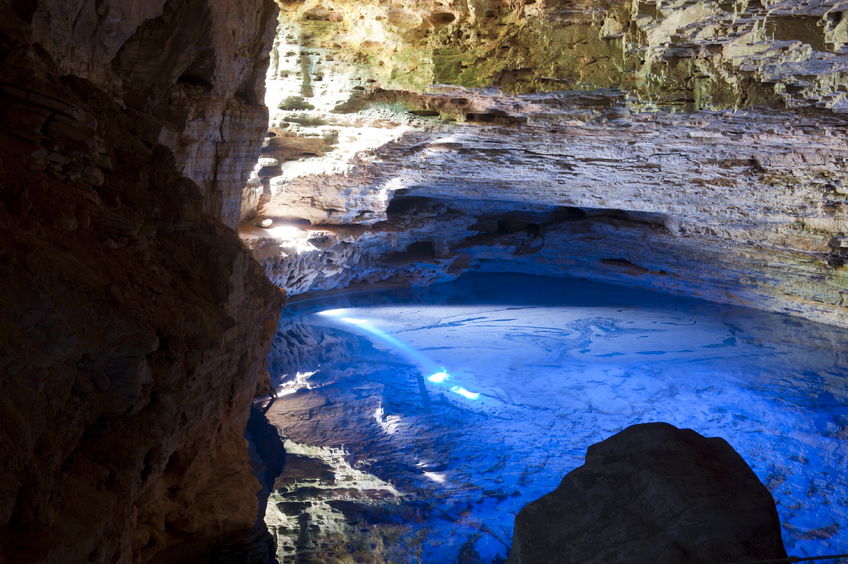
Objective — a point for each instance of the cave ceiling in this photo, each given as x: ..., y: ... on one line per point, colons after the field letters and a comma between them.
x: 694, y: 147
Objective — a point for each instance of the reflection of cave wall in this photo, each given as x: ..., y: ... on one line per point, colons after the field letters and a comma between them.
x: 302, y: 347
x: 370, y: 404
x: 134, y: 324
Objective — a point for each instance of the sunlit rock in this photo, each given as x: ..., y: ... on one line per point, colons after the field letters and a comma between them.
x: 559, y: 184
x: 678, y: 54
x: 693, y: 147
x: 696, y: 148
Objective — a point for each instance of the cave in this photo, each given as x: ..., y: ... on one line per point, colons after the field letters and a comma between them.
x: 365, y: 281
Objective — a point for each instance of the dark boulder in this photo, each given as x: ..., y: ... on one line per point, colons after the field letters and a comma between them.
x: 657, y: 494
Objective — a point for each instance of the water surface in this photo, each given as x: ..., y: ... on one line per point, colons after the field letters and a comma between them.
x: 421, y: 420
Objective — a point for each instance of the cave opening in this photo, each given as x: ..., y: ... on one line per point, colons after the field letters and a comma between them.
x: 403, y: 443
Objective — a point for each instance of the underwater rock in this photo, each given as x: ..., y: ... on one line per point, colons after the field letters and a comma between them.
x: 652, y: 493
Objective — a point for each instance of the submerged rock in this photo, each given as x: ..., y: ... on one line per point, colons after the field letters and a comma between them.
x: 652, y: 493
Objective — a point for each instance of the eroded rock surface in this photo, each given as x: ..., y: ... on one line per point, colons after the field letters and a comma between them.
x: 134, y: 323
x: 746, y: 207
x: 676, y: 54
x: 652, y: 493
x: 704, y: 153
x: 195, y: 68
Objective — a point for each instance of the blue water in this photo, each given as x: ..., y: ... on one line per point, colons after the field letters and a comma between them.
x: 475, y: 397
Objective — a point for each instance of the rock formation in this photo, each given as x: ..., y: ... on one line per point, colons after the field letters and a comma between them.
x: 195, y: 68
x: 677, y: 54
x: 695, y: 147
x: 652, y: 493
x: 134, y: 323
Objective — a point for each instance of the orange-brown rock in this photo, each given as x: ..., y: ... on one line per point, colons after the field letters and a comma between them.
x: 196, y: 68
x: 133, y: 323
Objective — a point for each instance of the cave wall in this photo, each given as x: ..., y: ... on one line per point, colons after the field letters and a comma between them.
x: 675, y: 54
x: 196, y: 67
x: 693, y: 147
x: 134, y: 322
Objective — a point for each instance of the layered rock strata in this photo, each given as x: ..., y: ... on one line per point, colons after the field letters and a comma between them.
x: 366, y: 178
x: 652, y: 493
x: 195, y: 68
x: 676, y: 54
x: 134, y: 323
x: 749, y: 207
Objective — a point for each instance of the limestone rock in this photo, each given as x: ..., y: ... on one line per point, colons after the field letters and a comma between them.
x: 652, y: 493
x: 678, y: 54
x: 692, y: 147
x: 197, y: 69
x: 743, y: 207
x: 133, y: 322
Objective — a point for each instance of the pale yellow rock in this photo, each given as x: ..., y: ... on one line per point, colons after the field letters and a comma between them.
x: 744, y: 206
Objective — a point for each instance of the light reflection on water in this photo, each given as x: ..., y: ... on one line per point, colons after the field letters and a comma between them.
x: 491, y: 388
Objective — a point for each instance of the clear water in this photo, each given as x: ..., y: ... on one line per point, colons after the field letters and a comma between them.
x: 475, y: 397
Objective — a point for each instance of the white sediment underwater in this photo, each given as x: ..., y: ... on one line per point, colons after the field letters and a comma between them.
x: 490, y: 390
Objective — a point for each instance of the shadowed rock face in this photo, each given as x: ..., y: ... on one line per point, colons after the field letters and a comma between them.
x: 652, y: 493
x: 134, y: 323
x: 195, y: 69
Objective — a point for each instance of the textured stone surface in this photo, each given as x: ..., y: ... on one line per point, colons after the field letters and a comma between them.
x: 745, y: 207
x: 196, y: 66
x: 652, y: 493
x: 676, y: 54
x: 134, y: 323
x: 371, y: 176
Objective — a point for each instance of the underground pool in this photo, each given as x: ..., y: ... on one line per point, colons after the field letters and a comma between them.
x: 419, y: 421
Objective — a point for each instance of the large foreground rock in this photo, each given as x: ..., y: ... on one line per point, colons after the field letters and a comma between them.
x: 652, y: 493
x: 133, y: 324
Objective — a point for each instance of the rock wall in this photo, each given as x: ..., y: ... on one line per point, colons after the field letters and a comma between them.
x: 672, y: 54
x: 134, y: 323
x: 196, y: 67
x: 692, y: 147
